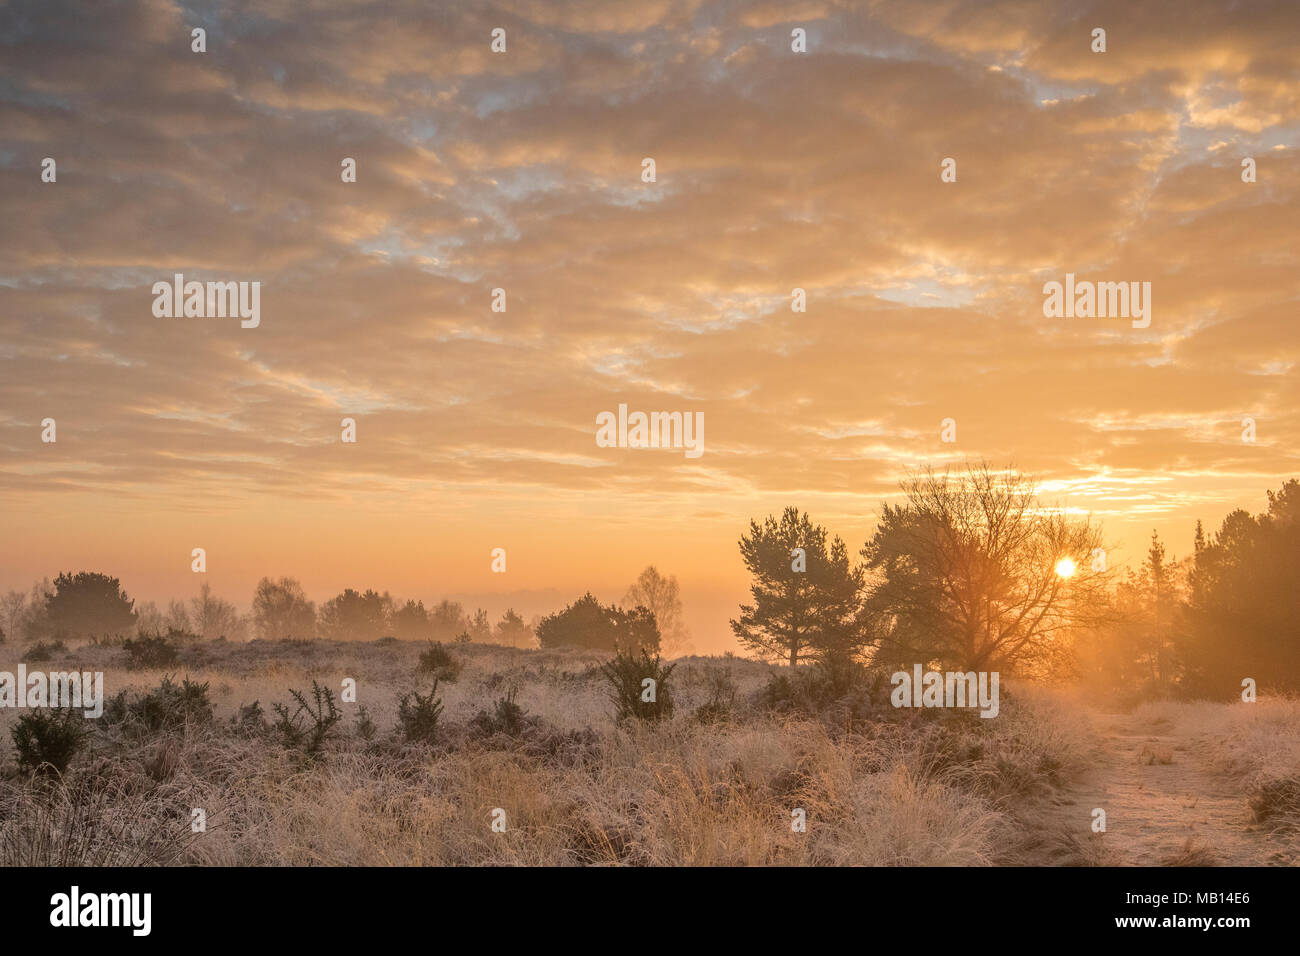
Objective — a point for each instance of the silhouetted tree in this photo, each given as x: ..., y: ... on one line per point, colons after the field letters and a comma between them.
x: 479, y: 627
x: 1243, y: 611
x: 448, y: 620
x: 212, y: 617
x: 1160, y: 601
x: 148, y: 619
x: 411, y: 622
x: 13, y: 613
x: 177, y: 617
x: 36, y: 598
x: 965, y: 574
x: 84, y: 604
x: 281, y: 610
x: 512, y: 630
x: 357, y: 616
x: 807, y: 598
x: 662, y: 596
x: 588, y: 623
x: 1137, y: 649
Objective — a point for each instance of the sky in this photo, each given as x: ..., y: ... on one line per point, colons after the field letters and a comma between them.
x: 523, y: 170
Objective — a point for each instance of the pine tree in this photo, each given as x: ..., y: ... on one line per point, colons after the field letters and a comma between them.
x: 807, y: 595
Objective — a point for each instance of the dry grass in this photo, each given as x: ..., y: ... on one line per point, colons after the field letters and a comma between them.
x: 1191, y: 853
x: 898, y: 788
x: 1257, y: 743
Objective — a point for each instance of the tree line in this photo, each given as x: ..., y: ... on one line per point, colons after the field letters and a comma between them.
x: 91, y: 604
x: 972, y: 571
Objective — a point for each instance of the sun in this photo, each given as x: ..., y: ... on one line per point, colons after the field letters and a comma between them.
x: 1065, y: 568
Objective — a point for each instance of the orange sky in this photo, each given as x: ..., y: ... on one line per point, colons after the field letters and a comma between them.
x: 522, y: 171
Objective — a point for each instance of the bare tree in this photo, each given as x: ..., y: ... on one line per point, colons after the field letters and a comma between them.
x: 177, y: 617
x: 213, y: 617
x: 281, y: 609
x: 13, y: 614
x: 148, y: 620
x: 662, y: 596
x: 972, y: 571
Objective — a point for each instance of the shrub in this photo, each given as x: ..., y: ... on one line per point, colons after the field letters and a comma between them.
x: 507, y: 718
x: 418, y: 715
x: 47, y: 740
x: 830, y: 682
x: 321, y: 713
x: 627, y: 674
x: 107, y: 640
x: 439, y: 662
x: 147, y: 652
x: 166, y: 707
x: 365, y: 727
x: 722, y: 698
x: 41, y: 651
x: 251, y: 719
x: 1276, y: 798
x: 839, y: 675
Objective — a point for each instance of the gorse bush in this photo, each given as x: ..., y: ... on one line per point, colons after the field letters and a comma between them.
x: 149, y: 651
x: 365, y: 727
x: 507, y: 717
x: 638, y: 685
x: 721, y: 703
x: 839, y: 674
x: 438, y: 662
x: 312, y: 723
x: 250, y: 721
x: 169, y: 706
x: 831, y: 684
x: 43, y: 651
x: 47, y: 740
x: 418, y: 714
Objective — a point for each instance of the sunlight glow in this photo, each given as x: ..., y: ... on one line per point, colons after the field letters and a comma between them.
x: 1065, y: 568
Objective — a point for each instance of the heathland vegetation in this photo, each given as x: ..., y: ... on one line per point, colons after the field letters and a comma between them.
x: 377, y: 730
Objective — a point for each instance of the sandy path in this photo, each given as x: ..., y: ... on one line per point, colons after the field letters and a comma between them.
x: 1163, y: 804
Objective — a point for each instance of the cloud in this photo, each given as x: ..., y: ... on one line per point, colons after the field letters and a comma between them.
x: 775, y: 170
